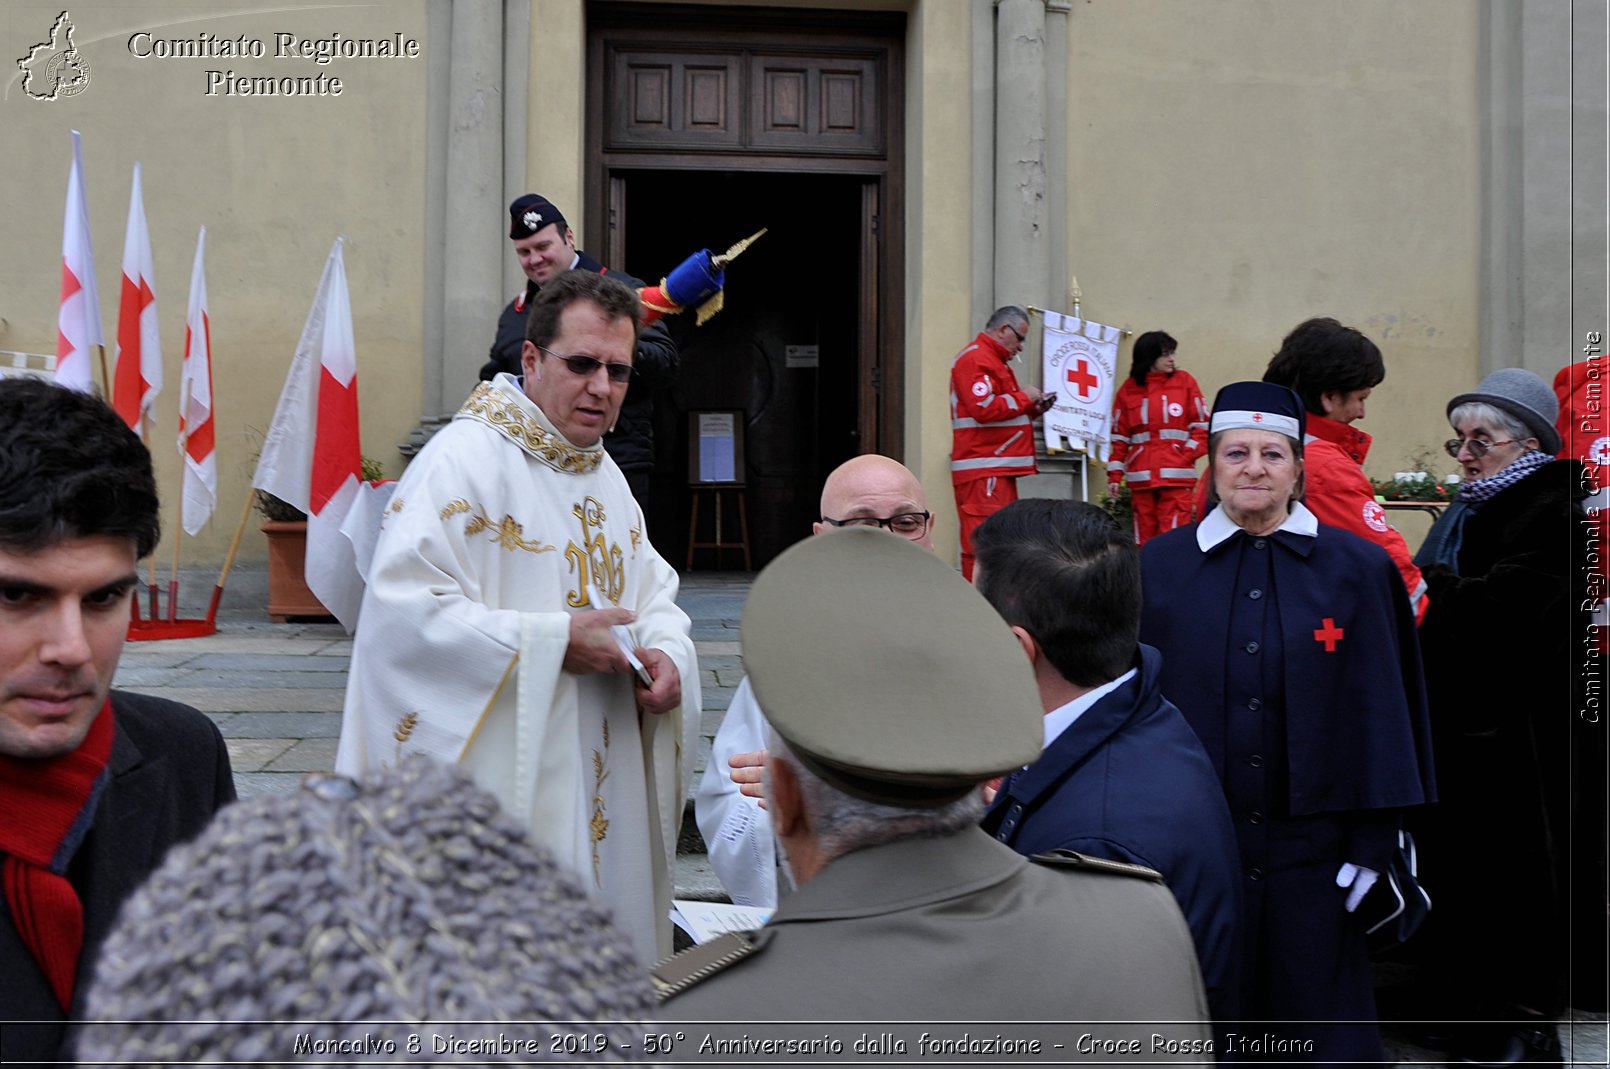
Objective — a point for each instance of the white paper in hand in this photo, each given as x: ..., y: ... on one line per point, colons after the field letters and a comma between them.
x: 623, y: 638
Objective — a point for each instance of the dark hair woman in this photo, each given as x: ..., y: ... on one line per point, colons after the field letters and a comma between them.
x: 1159, y: 431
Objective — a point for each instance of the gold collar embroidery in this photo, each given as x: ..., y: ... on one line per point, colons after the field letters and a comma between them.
x: 502, y: 413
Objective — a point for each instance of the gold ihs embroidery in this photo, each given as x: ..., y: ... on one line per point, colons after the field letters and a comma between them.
x: 595, y: 561
x: 599, y: 823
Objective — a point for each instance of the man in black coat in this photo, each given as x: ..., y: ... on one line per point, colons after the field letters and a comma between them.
x: 95, y: 785
x: 545, y: 246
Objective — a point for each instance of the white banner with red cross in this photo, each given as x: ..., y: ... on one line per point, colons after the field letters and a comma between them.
x: 1081, y: 364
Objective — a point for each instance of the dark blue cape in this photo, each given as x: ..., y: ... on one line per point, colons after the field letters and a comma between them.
x: 1357, y: 731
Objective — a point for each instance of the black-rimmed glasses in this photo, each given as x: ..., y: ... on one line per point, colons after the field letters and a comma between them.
x: 585, y: 366
x: 1479, y: 447
x: 907, y: 524
x: 1015, y: 334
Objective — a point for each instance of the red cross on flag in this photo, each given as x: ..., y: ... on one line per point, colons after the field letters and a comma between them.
x: 1081, y: 380
x: 311, y: 456
x: 138, y: 378
x: 78, y: 319
x: 196, y: 432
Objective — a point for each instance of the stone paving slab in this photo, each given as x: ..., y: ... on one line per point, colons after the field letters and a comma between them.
x: 282, y: 726
x: 257, y: 784
x: 139, y: 677
x: 253, y: 755
x: 321, y: 661
x: 307, y: 755
x: 290, y: 677
x: 718, y: 648
x: 226, y: 699
x: 225, y: 643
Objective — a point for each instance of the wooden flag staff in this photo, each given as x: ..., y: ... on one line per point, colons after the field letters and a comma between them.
x: 151, y: 561
x: 178, y: 538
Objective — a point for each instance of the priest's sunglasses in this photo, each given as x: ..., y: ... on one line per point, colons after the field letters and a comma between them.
x: 586, y: 366
x: 1478, y: 447
x: 907, y: 524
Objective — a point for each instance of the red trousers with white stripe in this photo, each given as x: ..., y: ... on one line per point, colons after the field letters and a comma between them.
x: 976, y: 501
x: 1160, y: 510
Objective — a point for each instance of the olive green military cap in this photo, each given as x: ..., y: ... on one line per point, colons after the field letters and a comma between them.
x: 889, y: 676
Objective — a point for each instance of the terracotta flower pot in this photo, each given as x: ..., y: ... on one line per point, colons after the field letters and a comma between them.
x: 288, y: 593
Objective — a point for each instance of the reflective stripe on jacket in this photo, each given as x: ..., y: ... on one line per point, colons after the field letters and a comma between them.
x: 1158, y: 431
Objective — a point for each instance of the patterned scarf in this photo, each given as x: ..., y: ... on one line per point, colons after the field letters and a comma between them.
x: 1474, y: 490
x: 49, y: 806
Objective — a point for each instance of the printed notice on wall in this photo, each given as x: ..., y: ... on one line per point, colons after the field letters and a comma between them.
x: 717, y: 433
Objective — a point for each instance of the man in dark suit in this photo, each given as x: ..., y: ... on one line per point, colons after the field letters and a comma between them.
x: 95, y: 785
x: 545, y: 246
x: 1122, y: 776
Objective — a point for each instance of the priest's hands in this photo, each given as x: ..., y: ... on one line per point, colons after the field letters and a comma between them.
x: 666, y: 693
x: 592, y: 648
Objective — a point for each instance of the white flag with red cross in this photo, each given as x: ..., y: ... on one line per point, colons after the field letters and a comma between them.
x: 78, y: 319
x: 138, y: 377
x: 197, y: 435
x: 311, y: 455
x: 1081, y: 365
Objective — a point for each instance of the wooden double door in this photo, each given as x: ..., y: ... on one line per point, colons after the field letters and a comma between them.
x: 706, y: 125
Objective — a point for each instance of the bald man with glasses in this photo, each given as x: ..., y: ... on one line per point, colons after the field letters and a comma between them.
x: 865, y: 491
x: 991, y: 424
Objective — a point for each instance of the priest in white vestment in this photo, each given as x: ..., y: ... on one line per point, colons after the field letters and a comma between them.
x: 481, y: 641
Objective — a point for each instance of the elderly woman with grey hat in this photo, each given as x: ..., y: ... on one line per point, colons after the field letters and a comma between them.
x: 1502, y: 644
x: 1289, y: 646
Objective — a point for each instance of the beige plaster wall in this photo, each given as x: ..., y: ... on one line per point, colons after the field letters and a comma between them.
x: 938, y: 246
x: 555, y: 153
x: 274, y: 179
x: 1239, y: 166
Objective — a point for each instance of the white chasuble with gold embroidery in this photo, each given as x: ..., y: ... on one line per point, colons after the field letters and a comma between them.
x: 497, y: 531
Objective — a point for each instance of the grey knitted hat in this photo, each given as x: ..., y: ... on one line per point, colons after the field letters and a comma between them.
x: 409, y: 899
x: 1521, y: 394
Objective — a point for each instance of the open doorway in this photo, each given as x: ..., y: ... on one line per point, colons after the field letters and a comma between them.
x: 784, y: 350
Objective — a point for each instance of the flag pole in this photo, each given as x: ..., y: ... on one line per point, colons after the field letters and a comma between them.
x: 229, y: 558
x: 151, y: 561
x: 178, y: 537
x: 106, y: 378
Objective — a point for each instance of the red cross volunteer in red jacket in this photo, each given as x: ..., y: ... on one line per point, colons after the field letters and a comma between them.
x: 991, y: 424
x: 1159, y: 431
x: 1334, y: 368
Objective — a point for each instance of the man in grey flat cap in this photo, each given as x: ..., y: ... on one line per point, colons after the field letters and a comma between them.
x: 882, y: 731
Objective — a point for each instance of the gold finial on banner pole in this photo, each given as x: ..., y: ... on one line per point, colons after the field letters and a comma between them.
x: 720, y: 262
x: 1074, y: 294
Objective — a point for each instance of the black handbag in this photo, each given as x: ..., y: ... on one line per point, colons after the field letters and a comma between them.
x: 1395, y: 907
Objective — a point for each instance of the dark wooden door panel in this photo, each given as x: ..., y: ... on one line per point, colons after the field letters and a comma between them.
x: 813, y: 105
x: 669, y: 100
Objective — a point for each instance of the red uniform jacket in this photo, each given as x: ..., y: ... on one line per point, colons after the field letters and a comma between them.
x: 991, y: 418
x: 1158, y: 431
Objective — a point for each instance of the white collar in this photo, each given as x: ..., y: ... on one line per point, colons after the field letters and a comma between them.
x: 574, y: 260
x: 1061, y: 718
x: 1217, y: 526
